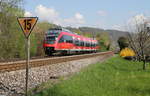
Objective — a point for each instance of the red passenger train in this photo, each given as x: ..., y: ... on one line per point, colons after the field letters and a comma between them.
x: 64, y: 41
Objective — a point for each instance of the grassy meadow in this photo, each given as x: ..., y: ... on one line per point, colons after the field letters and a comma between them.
x: 114, y: 77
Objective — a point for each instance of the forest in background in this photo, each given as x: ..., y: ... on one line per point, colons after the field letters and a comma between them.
x: 12, y: 41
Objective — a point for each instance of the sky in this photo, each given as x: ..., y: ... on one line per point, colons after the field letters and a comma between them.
x: 106, y: 14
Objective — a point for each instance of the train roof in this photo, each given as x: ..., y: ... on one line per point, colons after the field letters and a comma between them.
x: 62, y: 29
x: 73, y: 33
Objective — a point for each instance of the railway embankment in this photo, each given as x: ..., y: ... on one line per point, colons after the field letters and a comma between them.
x: 12, y: 79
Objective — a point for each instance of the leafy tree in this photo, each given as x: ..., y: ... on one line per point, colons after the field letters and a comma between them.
x: 123, y: 42
x: 9, y: 29
x: 104, y: 41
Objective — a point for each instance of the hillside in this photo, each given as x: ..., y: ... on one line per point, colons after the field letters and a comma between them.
x: 115, y: 34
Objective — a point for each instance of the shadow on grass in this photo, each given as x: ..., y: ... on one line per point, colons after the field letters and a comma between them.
x: 138, y: 91
x: 51, y: 92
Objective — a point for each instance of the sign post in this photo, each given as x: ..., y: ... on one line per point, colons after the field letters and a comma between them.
x: 27, y: 24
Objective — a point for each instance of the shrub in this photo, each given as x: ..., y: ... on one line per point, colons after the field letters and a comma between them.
x: 127, y: 52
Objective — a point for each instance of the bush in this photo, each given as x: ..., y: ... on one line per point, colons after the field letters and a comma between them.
x: 123, y: 42
x: 126, y: 52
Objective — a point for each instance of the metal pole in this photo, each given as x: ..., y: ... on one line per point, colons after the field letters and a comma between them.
x: 27, y: 63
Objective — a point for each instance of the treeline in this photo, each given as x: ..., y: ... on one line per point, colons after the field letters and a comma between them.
x: 11, y: 38
x: 12, y: 41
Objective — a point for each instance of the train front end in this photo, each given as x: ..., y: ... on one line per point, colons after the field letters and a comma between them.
x: 50, y: 41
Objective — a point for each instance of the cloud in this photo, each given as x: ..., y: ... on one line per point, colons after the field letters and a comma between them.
x: 76, y: 20
x: 27, y: 14
x: 51, y: 15
x: 102, y: 13
x: 78, y: 16
x: 46, y: 14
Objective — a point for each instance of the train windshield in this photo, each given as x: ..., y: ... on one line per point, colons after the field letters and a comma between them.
x: 53, y: 32
x: 51, y: 36
x: 50, y: 39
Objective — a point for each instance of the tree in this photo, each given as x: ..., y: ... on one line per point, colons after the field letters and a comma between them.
x: 139, y: 40
x: 10, y: 34
x: 123, y: 42
x: 104, y: 41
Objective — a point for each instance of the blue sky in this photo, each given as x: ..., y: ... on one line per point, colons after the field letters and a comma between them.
x: 108, y: 14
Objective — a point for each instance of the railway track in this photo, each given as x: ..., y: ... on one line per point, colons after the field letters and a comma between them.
x: 19, y: 65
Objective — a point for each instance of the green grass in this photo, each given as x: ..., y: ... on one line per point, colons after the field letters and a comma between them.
x: 115, y: 77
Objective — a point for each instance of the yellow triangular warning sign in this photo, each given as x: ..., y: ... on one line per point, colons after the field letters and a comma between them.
x: 27, y: 24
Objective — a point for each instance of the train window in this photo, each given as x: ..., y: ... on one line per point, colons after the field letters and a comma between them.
x: 77, y: 42
x: 61, y: 39
x: 66, y: 38
x: 82, y: 43
x: 69, y: 41
x: 87, y: 44
x: 53, y: 32
x: 91, y: 44
x: 50, y: 39
x: 94, y: 44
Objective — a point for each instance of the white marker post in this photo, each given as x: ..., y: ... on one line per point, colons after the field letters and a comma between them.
x: 27, y: 24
